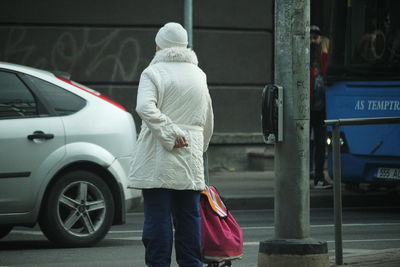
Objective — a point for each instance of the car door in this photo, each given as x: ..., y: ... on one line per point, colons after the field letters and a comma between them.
x: 32, y: 140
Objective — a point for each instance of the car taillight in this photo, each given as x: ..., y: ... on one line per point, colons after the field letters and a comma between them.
x: 92, y: 92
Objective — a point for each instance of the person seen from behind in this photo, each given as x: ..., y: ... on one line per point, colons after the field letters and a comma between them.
x: 319, y: 46
x: 174, y: 104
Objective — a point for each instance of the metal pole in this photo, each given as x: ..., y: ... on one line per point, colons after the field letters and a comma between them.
x: 292, y: 19
x: 292, y: 245
x: 337, y: 173
x: 364, y: 121
x: 188, y: 21
x: 337, y: 194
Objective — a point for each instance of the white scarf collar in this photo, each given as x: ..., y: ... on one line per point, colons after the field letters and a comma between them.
x: 175, y: 54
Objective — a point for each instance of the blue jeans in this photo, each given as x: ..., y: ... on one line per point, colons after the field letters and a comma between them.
x: 161, y: 207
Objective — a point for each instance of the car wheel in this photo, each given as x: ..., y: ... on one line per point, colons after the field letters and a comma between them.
x: 5, y: 230
x: 78, y: 211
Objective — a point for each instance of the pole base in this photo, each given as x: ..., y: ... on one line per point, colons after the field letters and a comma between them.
x: 293, y: 252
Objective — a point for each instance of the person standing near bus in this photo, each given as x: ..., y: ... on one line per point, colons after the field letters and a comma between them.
x: 174, y: 104
x: 319, y: 46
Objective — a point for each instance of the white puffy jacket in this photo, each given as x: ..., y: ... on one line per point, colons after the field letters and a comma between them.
x: 173, y: 101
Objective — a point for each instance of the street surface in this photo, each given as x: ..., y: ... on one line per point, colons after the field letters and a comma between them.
x: 364, y: 229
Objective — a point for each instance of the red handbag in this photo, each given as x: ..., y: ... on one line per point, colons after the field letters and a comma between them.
x: 221, y: 235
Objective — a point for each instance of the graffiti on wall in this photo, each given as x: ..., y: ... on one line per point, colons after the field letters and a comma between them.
x: 104, y: 55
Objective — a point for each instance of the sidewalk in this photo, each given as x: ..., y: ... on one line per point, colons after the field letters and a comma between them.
x: 255, y: 190
x: 384, y: 257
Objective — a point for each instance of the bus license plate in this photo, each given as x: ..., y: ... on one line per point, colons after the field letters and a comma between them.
x: 388, y: 173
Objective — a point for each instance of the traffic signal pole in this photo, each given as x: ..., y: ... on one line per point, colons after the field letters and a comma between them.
x: 188, y: 20
x: 292, y: 244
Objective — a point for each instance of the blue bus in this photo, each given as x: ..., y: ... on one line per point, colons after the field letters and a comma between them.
x: 364, y: 81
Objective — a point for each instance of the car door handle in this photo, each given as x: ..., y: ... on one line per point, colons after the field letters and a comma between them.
x: 40, y: 135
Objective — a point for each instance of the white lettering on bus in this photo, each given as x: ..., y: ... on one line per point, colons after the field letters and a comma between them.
x: 391, y: 105
x: 359, y: 105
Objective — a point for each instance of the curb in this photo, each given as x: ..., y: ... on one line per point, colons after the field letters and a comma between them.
x: 318, y: 201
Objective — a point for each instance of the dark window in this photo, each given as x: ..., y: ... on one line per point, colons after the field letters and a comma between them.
x: 365, y: 40
x: 63, y: 101
x: 375, y: 32
x: 15, y: 98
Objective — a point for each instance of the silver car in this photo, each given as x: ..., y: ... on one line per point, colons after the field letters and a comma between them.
x: 65, y: 152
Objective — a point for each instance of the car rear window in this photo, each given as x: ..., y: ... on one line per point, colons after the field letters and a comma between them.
x: 63, y: 101
x: 16, y: 100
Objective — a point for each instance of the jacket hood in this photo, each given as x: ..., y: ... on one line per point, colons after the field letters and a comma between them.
x: 175, y: 54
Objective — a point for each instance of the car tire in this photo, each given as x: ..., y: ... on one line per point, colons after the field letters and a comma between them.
x: 5, y: 230
x: 78, y: 210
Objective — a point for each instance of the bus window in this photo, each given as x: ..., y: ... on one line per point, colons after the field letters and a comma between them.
x: 375, y: 33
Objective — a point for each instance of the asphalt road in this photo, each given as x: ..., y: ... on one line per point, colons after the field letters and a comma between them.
x: 364, y: 229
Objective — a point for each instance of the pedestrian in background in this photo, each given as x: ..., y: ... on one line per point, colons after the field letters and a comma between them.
x: 174, y: 104
x: 319, y: 46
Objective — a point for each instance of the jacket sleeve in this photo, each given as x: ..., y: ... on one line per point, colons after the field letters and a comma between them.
x: 160, y: 125
x: 209, y: 125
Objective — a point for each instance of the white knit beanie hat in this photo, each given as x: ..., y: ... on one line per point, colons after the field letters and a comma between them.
x: 170, y: 35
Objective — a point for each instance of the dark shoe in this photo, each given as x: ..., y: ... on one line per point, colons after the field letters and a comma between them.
x: 322, y: 185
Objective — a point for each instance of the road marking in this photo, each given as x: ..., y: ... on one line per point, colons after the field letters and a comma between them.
x: 326, y: 225
x: 132, y: 238
x: 258, y: 242
x: 30, y: 232
x: 26, y: 232
x: 135, y: 214
x: 332, y: 241
x: 245, y: 243
x: 124, y: 231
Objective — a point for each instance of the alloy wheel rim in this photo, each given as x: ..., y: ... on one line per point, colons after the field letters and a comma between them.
x: 81, y: 208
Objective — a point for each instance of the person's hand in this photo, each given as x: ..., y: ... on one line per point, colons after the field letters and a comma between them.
x: 181, y: 142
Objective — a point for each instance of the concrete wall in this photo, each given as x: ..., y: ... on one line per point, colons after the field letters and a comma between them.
x: 107, y: 44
